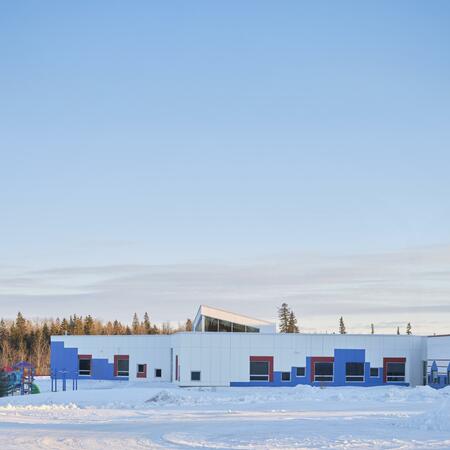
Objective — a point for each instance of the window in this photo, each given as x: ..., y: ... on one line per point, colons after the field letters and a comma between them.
x: 84, y: 365
x: 238, y: 328
x: 195, y: 375
x: 211, y: 324
x: 121, y: 366
x: 301, y: 371
x: 374, y: 372
x: 158, y: 373
x: 354, y: 372
x: 285, y: 376
x: 141, y: 371
x: 323, y: 371
x: 224, y: 326
x: 259, y: 370
x: 395, y: 372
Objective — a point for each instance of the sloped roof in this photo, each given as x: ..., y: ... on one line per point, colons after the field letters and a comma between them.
x: 217, y: 313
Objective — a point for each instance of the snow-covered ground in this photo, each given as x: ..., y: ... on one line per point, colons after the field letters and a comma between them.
x: 121, y: 415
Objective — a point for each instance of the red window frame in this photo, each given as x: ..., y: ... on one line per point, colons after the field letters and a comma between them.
x: 315, y: 359
x: 389, y: 360
x: 142, y: 374
x: 122, y: 358
x: 268, y: 359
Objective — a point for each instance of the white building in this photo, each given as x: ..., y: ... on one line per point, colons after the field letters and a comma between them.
x: 227, y: 349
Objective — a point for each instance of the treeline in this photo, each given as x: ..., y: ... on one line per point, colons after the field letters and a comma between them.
x: 25, y: 340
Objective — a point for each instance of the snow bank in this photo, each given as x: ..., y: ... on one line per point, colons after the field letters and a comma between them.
x: 117, y: 395
x: 350, y: 395
x: 437, y: 419
x: 377, y: 393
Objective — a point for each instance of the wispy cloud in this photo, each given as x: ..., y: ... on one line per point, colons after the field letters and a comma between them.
x: 386, y: 289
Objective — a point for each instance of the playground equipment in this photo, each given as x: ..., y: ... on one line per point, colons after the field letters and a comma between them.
x: 18, y: 379
x: 63, y: 376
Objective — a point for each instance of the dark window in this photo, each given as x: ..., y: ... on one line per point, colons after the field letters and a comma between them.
x: 224, y: 325
x: 374, y: 372
x: 285, y: 376
x: 141, y: 371
x: 123, y: 367
x: 300, y: 371
x: 323, y: 371
x: 195, y: 375
x: 238, y: 328
x: 211, y: 324
x: 158, y: 373
x: 84, y: 366
x: 259, y: 371
x: 354, y: 372
x: 395, y: 372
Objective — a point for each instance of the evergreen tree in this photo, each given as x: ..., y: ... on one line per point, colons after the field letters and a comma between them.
x: 283, y: 316
x: 292, y: 324
x: 372, y: 329
x: 21, y: 324
x: 108, y: 329
x: 408, y: 328
x: 188, y: 325
x: 79, y: 326
x: 3, y: 330
x: 46, y: 332
x: 64, y: 326
x: 55, y: 327
x: 88, y: 325
x: 342, y: 329
x: 71, y: 325
x: 146, y: 324
x: 135, y: 326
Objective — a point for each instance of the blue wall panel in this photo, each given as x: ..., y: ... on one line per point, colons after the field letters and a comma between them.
x: 341, y: 358
x: 66, y: 359
x: 62, y: 358
x: 102, y: 369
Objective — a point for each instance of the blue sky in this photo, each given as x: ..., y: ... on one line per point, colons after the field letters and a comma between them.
x: 204, y: 134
